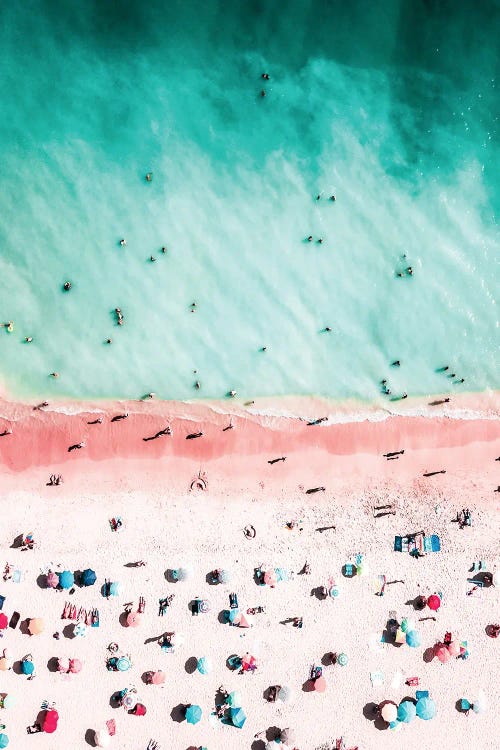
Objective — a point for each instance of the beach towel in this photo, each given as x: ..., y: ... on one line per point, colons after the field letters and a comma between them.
x: 397, y: 680
x: 427, y: 544
x: 17, y: 576
x: 377, y: 678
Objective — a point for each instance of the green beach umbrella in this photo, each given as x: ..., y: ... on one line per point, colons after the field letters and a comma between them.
x: 342, y: 659
x: 123, y: 664
x: 193, y: 714
x: 426, y: 708
x: 238, y: 717
x: 413, y: 638
x: 66, y: 579
x: 406, y: 712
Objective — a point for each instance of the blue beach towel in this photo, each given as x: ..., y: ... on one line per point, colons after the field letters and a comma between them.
x: 436, y: 544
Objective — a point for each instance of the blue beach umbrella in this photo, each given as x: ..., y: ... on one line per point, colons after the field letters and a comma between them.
x: 238, y: 717
x: 4, y: 740
x: 123, y: 664
x: 406, y: 712
x: 66, y: 579
x: 234, y: 699
x: 27, y: 666
x: 204, y: 665
x: 193, y: 714
x: 413, y: 639
x: 426, y: 708
x: 89, y: 577
x: 232, y: 615
x: 114, y: 588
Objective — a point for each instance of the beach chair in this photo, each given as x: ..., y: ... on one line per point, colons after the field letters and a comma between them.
x: 398, y: 544
x: 412, y: 681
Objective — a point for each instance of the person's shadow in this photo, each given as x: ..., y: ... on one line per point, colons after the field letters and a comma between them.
x: 370, y: 712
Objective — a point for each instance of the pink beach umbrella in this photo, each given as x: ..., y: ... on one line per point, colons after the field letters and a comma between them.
x: 63, y: 665
x: 442, y: 653
x: 270, y: 578
x: 158, y: 678
x: 75, y: 666
x: 454, y: 648
x: 248, y: 663
x: 320, y: 685
x: 52, y: 580
x: 4, y: 621
x: 133, y: 619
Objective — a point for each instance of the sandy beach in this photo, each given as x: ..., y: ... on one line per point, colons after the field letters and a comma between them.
x: 168, y: 525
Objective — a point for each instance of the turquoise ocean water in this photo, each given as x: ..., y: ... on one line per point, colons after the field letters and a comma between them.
x: 391, y: 106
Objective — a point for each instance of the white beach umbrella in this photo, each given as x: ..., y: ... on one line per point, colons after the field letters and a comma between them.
x: 496, y: 578
x: 480, y: 704
x: 102, y: 738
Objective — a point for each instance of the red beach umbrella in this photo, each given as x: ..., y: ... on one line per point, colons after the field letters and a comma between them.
x: 442, y: 653
x: 75, y: 666
x: 434, y: 602
x: 248, y: 663
x: 50, y: 721
x: 3, y: 621
x: 320, y: 685
x: 133, y: 619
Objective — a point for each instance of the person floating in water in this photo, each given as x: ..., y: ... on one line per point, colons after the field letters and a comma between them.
x: 396, y: 363
x: 67, y: 286
x: 152, y: 258
x: 263, y: 93
x: 109, y: 341
x: 54, y: 374
x: 333, y: 198
x: 310, y: 238
x: 149, y: 177
x: 28, y: 339
x: 320, y: 241
x: 123, y: 242
x: 119, y: 316
x: 164, y: 249
x: 232, y: 394
x: 327, y: 329
x: 409, y: 271
x: 197, y: 385
x: 265, y: 76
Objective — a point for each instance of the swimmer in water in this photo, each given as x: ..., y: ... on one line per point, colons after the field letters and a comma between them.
x: 320, y: 240
x: 28, y: 339
x: 54, y: 374
x: 265, y: 76
x: 197, y: 385
x: 152, y: 258
x: 333, y: 198
x: 232, y: 394
x: 67, y: 286
x: 409, y: 271
x: 164, y: 249
x: 109, y: 341
x: 327, y: 329
x: 263, y: 93
x: 310, y: 238
x: 396, y: 363
x: 149, y: 177
x: 123, y: 242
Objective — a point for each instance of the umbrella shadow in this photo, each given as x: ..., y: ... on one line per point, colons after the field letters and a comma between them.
x: 389, y: 633
x: 41, y: 581
x: 428, y: 655
x: 308, y: 686
x: 123, y: 619
x: 223, y: 616
x: 24, y: 626
x: 233, y: 662
x: 146, y: 677
x: 211, y: 580
x: 178, y: 713
x: 191, y: 665
x: 258, y: 577
x: 17, y: 667
x: 170, y: 575
x: 326, y: 659
x: 115, y: 700
x: 272, y: 733
x: 90, y: 737
x: 18, y: 542
x: 320, y: 593
x: 258, y: 745
x: 78, y: 578
x: 53, y: 664
x: 69, y: 631
x: 371, y: 712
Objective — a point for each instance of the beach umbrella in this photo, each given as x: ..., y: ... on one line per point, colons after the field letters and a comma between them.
x: 183, y: 574
x: 406, y: 712
x: 75, y: 666
x: 434, y: 602
x: 204, y: 665
x: 223, y: 576
x: 102, y: 738
x: 234, y: 699
x: 89, y: 577
x: 114, y: 589
x: 270, y: 577
x: 129, y: 701
x: 243, y: 621
x: 5, y: 662
x: 66, y: 579
x: 36, y: 625
x: 389, y: 712
x: 426, y: 708
x: 80, y: 629
x: 320, y: 684
x: 193, y: 714
x: 4, y: 740
x: 50, y: 721
x: 27, y: 666
x: 4, y: 621
x: 407, y: 624
x: 233, y: 615
x: 442, y: 653
x: 123, y: 664
x: 238, y: 717
x: 286, y: 735
x: 479, y: 706
x: 134, y: 619
x: 63, y: 665
x: 52, y: 580
x: 496, y: 578
x: 284, y: 694
x: 454, y: 648
x: 248, y: 662
x: 342, y: 659
x: 395, y: 725
x: 334, y: 590
x: 176, y: 639
x: 158, y: 678
x: 9, y: 701
x: 413, y: 638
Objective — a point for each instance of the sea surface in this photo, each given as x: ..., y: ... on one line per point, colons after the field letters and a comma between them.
x: 390, y: 106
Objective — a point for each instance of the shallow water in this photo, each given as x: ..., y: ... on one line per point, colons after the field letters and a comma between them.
x: 394, y: 111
